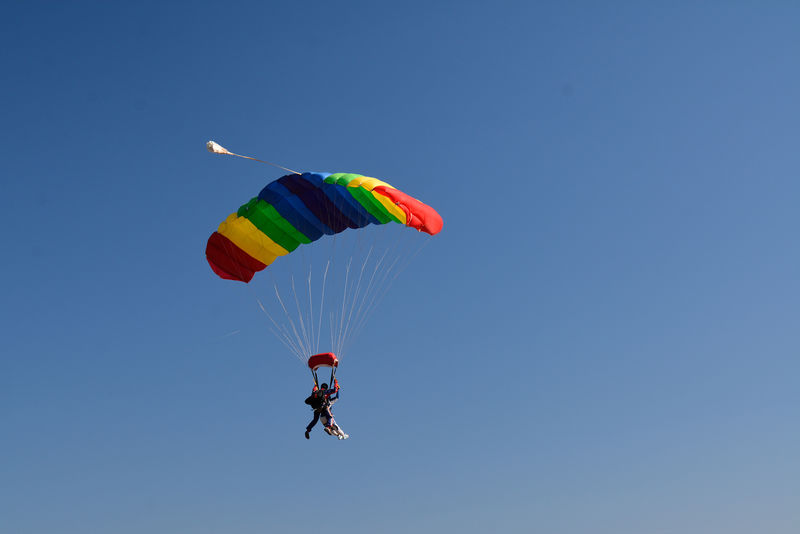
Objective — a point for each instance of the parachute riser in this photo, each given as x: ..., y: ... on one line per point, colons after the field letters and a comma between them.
x: 316, y: 380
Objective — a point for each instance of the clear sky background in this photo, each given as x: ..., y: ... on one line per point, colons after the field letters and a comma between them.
x: 603, y: 339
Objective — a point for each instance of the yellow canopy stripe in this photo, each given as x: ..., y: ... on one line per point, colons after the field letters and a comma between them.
x: 250, y: 239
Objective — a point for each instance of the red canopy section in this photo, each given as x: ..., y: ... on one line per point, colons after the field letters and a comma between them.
x: 325, y: 359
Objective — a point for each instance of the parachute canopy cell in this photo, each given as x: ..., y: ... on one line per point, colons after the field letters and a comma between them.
x: 299, y: 209
x: 326, y: 359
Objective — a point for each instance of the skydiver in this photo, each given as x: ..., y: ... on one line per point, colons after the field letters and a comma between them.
x: 320, y: 401
x: 331, y: 428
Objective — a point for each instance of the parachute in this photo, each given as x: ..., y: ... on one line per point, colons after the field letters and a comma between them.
x: 299, y: 209
x: 281, y: 231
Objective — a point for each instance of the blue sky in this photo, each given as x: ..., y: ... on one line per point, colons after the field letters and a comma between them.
x: 602, y: 339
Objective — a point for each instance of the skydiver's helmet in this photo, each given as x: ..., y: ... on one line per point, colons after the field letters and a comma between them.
x: 324, y: 386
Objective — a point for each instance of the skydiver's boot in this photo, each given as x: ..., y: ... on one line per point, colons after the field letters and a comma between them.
x: 307, y: 436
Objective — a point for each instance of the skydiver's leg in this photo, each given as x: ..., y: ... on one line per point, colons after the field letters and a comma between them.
x: 337, y: 430
x: 313, y: 421
x: 331, y: 426
x: 326, y: 422
x: 328, y: 416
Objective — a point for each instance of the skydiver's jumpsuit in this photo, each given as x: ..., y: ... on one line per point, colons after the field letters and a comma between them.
x: 321, y: 405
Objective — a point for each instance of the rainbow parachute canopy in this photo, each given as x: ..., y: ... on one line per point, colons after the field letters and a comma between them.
x: 299, y: 209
